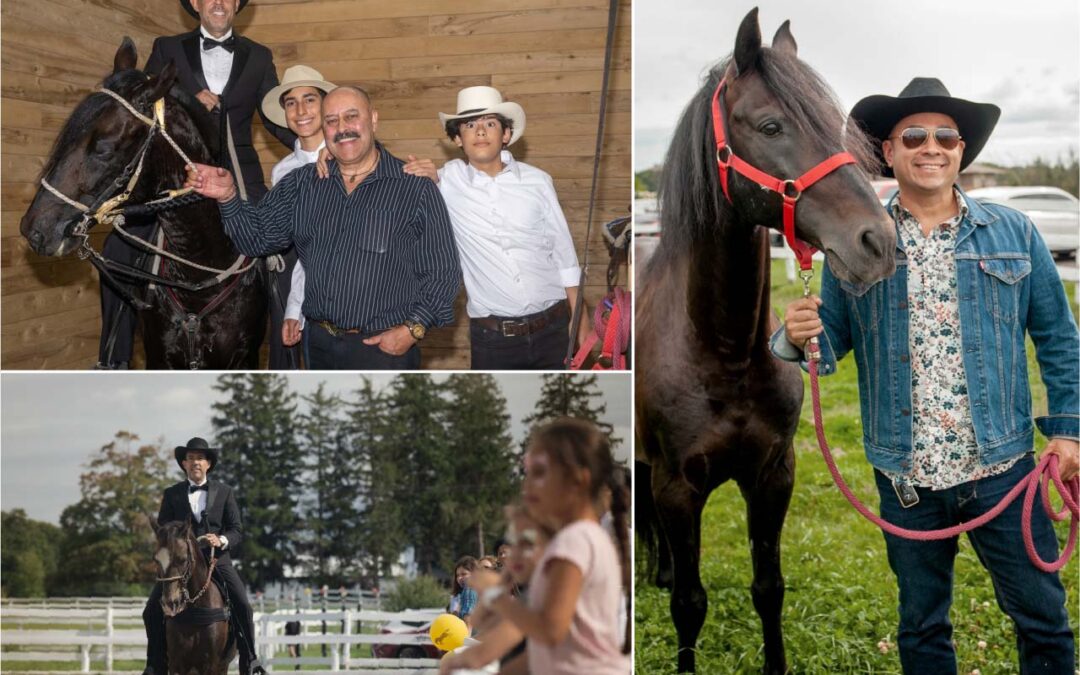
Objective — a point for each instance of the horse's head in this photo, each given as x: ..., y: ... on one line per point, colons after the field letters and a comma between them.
x: 783, y: 120
x: 99, y: 142
x: 176, y: 558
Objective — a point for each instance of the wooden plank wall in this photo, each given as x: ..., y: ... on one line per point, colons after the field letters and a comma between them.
x: 53, y: 53
x: 413, y: 56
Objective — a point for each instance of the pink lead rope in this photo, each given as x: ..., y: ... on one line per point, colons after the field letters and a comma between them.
x: 1040, y: 477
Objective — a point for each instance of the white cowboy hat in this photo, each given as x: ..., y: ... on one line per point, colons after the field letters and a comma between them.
x: 475, y: 101
x: 296, y: 76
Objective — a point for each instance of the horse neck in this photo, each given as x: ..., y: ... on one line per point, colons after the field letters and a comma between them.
x: 192, y: 232
x: 728, y: 290
x: 200, y: 570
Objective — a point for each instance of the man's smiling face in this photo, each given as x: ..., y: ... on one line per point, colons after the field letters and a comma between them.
x: 929, y: 168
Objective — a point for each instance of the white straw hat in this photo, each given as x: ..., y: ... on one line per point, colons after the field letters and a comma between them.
x: 476, y: 101
x: 296, y: 76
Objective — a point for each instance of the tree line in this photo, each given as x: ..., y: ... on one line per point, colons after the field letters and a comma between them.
x: 334, y: 491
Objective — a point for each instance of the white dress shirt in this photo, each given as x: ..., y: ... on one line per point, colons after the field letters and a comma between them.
x: 197, y: 500
x: 516, y: 251
x: 297, y: 159
x: 216, y: 63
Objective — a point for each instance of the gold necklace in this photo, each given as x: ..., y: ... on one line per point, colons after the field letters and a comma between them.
x: 358, y: 174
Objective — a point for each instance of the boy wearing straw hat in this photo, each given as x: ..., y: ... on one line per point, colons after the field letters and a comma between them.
x: 296, y: 103
x: 520, y: 267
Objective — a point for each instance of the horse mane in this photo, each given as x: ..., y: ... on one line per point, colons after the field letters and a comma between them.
x: 125, y: 83
x: 691, y: 201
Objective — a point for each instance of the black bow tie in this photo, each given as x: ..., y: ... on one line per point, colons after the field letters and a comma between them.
x: 205, y: 487
x: 228, y: 44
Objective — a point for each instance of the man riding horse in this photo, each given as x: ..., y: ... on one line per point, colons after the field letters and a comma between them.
x: 211, y: 506
x: 229, y: 74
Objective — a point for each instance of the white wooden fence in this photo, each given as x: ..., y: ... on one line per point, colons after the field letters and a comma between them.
x: 101, y: 631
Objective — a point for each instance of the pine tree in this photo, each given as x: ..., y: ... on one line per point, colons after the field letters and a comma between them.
x: 567, y: 395
x: 381, y: 484
x: 416, y: 436
x: 255, y: 429
x: 485, y: 463
x: 328, y: 505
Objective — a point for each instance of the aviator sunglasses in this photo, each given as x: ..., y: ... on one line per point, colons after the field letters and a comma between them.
x: 915, y: 137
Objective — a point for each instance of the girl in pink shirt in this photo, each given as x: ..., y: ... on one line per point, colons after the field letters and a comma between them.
x: 572, y: 621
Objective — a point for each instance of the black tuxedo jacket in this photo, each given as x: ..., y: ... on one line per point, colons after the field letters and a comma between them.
x: 222, y: 515
x: 252, y: 76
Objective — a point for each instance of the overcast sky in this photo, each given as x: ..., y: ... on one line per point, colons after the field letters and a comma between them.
x: 52, y: 423
x: 1023, y: 57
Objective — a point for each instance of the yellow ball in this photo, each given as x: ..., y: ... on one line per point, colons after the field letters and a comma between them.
x: 448, y: 632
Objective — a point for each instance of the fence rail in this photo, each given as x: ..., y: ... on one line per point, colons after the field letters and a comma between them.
x: 95, y: 632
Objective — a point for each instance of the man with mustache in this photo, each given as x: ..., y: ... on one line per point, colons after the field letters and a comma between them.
x: 943, y: 382
x: 375, y: 243
x: 230, y: 75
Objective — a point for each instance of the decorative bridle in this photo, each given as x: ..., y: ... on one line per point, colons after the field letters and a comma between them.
x: 109, y: 207
x: 185, y: 576
x: 789, y: 189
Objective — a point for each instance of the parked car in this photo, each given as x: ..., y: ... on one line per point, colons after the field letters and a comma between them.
x: 423, y: 649
x: 885, y: 189
x: 1055, y: 213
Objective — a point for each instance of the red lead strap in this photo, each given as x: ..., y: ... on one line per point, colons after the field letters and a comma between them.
x: 790, y: 190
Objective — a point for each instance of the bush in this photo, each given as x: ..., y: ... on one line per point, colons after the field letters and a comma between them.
x: 416, y: 593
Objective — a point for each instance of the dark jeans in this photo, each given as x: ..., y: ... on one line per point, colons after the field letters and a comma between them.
x: 1034, y: 600
x: 282, y: 357
x: 347, y: 351
x: 543, y: 350
x: 154, y: 621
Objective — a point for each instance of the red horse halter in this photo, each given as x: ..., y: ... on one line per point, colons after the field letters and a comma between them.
x: 790, y: 190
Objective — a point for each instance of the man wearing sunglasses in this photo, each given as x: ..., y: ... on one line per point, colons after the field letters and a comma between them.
x: 943, y: 382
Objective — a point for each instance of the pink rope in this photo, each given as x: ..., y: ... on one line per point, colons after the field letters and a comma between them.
x: 1037, y: 480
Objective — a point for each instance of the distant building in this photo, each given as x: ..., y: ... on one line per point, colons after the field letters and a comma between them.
x: 980, y: 175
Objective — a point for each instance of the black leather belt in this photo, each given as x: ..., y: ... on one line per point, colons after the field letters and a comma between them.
x: 523, y: 325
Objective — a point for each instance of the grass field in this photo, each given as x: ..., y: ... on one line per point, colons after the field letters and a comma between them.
x: 840, y: 604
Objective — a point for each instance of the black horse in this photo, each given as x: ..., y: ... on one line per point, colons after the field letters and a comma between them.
x: 194, y: 317
x: 196, y: 623
x: 712, y: 402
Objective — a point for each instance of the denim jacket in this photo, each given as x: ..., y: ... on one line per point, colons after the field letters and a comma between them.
x: 1007, y: 287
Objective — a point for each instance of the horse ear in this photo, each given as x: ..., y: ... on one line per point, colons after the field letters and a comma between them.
x: 126, y: 56
x: 159, y: 85
x: 747, y: 43
x: 784, y: 41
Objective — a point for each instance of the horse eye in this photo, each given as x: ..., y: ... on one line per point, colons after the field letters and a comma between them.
x: 770, y: 128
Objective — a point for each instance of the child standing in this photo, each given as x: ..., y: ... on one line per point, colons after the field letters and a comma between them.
x: 572, y: 620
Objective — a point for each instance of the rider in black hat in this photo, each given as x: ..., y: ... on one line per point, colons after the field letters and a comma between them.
x: 212, y: 508
x: 943, y: 382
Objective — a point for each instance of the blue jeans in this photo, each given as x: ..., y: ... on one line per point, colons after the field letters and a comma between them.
x: 1034, y: 600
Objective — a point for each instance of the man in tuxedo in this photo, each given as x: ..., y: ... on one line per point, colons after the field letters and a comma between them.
x: 230, y: 75
x: 211, y: 506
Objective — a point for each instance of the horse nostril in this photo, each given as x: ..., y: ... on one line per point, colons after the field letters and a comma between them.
x: 36, y: 240
x: 873, y: 242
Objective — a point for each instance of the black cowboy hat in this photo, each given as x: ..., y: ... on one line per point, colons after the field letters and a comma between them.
x: 199, y: 445
x: 878, y: 114
x: 186, y: 4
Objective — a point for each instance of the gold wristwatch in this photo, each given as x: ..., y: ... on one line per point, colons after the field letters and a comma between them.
x: 416, y: 329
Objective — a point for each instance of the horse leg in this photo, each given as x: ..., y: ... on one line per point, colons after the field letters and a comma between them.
x: 679, y: 506
x: 766, y: 506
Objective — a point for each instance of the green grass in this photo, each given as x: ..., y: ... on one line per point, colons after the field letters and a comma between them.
x: 841, y: 595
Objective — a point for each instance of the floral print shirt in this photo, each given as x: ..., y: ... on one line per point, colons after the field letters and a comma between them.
x: 944, y: 452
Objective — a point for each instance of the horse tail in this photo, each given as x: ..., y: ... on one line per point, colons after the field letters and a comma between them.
x: 646, y: 525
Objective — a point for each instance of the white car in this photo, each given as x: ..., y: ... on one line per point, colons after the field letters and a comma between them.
x: 1055, y: 213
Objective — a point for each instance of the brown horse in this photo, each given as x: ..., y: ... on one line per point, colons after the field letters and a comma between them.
x: 712, y: 402
x: 196, y: 623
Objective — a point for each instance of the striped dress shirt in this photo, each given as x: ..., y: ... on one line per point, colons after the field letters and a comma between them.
x: 374, y: 258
